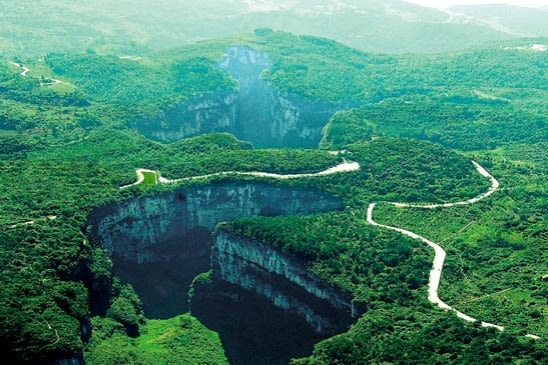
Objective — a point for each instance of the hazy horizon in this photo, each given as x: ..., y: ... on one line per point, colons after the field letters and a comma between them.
x: 442, y: 4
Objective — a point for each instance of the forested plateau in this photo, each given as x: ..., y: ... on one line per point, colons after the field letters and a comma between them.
x: 74, y: 127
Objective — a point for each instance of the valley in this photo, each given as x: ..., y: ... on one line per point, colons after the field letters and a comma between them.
x: 272, y: 198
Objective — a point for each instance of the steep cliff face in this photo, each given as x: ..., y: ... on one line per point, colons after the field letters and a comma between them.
x: 160, y: 243
x: 213, y: 112
x: 257, y: 112
x: 266, y: 271
x: 266, y: 116
x: 134, y: 229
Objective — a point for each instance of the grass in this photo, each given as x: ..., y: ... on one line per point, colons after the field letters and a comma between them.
x: 179, y: 340
x: 493, y: 245
x: 40, y: 69
x: 150, y: 178
x: 61, y: 88
x: 182, y: 340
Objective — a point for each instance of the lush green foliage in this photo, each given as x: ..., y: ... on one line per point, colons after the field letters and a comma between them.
x: 496, y: 249
x: 396, y: 335
x: 376, y: 266
x: 75, y: 182
x: 179, y: 340
x: 340, y: 248
x: 66, y: 150
x: 464, y: 94
x: 127, y: 309
x: 41, y: 307
x: 84, y: 174
x: 454, y: 122
x: 142, y: 84
x: 405, y: 170
x: 330, y: 71
x: 321, y: 68
x: 37, y: 115
x: 41, y: 258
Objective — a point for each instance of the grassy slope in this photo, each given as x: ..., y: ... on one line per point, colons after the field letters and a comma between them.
x: 179, y: 340
x: 494, y: 246
x: 150, y: 178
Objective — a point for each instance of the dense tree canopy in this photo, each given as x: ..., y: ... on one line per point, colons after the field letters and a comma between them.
x: 65, y: 149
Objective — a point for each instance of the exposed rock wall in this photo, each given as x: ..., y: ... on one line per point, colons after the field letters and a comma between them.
x: 213, y: 112
x: 157, y: 228
x: 266, y: 271
x: 266, y: 116
x: 256, y: 112
x: 132, y: 230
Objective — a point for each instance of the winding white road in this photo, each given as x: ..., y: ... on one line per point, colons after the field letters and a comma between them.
x: 345, y: 166
x: 140, y: 177
x: 439, y: 257
x: 49, y: 217
x: 25, y: 70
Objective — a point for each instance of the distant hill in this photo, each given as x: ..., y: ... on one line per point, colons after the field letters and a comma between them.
x: 124, y: 27
x: 514, y: 19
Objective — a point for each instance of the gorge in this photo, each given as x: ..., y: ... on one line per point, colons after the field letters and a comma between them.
x: 160, y: 243
x: 257, y: 111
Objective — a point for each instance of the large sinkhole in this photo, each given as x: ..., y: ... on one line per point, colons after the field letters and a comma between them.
x: 263, y: 303
x: 256, y: 112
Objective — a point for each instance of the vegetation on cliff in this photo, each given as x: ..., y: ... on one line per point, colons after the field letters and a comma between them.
x: 179, y: 340
x: 65, y: 151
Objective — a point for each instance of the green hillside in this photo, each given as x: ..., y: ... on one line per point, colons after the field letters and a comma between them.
x: 412, y: 122
x: 126, y: 29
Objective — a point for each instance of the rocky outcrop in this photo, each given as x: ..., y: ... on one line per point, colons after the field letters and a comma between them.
x: 169, y: 234
x: 138, y: 229
x: 212, y: 112
x: 266, y: 116
x: 257, y: 112
x: 258, y: 267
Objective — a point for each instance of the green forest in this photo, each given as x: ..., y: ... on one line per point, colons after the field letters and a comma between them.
x: 413, y: 123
